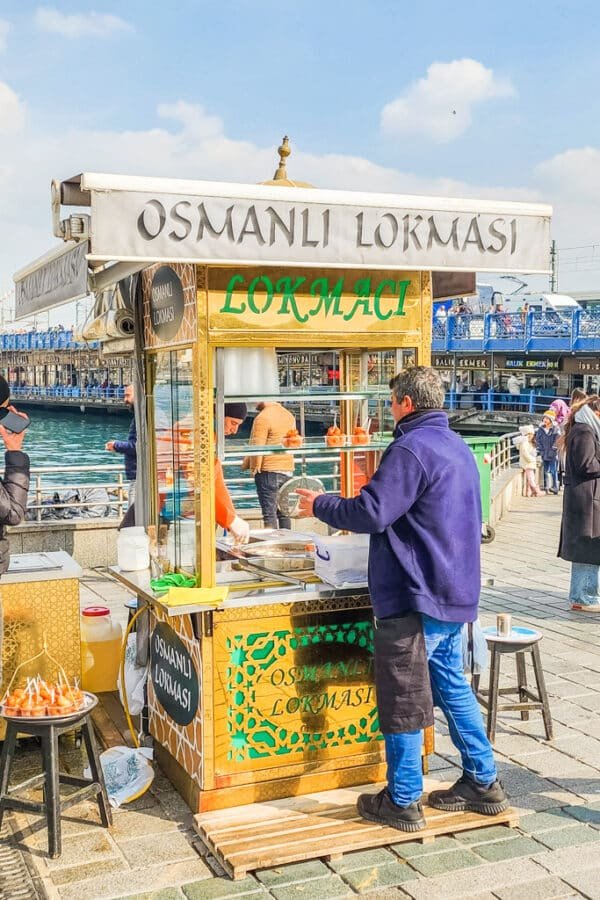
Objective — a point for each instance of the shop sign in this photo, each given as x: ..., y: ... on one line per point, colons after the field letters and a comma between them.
x: 56, y: 278
x: 537, y: 365
x: 174, y: 677
x: 249, y: 224
x: 314, y: 300
x: 166, y: 303
x: 462, y: 362
x: 582, y: 365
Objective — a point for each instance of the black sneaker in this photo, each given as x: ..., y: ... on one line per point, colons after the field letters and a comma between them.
x: 382, y: 809
x: 466, y: 794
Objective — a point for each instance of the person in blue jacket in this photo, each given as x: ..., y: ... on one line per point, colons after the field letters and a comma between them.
x: 422, y: 509
x: 129, y: 447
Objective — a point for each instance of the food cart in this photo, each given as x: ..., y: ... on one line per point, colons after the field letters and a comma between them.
x: 268, y: 692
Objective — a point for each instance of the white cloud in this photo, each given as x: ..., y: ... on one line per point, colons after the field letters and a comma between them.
x: 440, y: 105
x: 92, y: 24
x: 12, y: 111
x: 4, y: 29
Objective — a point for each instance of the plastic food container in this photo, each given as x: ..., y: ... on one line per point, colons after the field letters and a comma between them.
x: 342, y: 559
x: 101, y: 640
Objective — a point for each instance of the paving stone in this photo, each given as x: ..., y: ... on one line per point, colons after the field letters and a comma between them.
x: 93, y: 847
x: 587, y: 883
x: 123, y: 884
x: 551, y: 764
x: 520, y: 846
x: 87, y: 870
x: 568, y: 837
x: 365, y: 881
x: 476, y: 881
x: 129, y: 823
x: 587, y: 814
x: 569, y: 859
x: 486, y: 835
x: 167, y: 848
x: 360, y: 859
x: 324, y: 888
x: 166, y: 894
x: 544, y: 889
x: 545, y: 821
x: 410, y: 849
x: 450, y: 861
x: 293, y: 873
x: 586, y: 788
x: 223, y: 888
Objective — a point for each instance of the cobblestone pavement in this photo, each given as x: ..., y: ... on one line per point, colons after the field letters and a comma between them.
x: 152, y: 851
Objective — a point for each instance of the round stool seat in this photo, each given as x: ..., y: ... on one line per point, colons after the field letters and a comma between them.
x: 131, y: 604
x: 518, y: 639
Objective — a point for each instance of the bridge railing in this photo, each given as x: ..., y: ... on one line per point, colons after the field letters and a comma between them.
x: 558, y: 330
x: 534, y: 402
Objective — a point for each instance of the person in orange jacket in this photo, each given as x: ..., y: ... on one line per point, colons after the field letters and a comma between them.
x: 225, y: 513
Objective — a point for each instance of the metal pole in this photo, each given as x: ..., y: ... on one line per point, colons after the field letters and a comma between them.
x: 553, y: 268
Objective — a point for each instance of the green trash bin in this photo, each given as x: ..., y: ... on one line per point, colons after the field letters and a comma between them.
x: 481, y: 447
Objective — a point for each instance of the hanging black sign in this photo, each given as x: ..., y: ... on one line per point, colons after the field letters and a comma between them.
x: 166, y: 303
x: 174, y: 677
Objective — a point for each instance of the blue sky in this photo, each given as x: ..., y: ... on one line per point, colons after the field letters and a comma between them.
x: 460, y: 99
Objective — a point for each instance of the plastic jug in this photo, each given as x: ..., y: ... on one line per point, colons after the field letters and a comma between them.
x: 101, y: 640
x: 133, y: 549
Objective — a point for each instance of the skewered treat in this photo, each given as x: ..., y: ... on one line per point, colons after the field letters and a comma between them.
x: 360, y: 435
x: 292, y: 438
x: 40, y: 698
x: 334, y: 437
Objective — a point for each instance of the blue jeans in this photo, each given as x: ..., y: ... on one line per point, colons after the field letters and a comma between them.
x: 585, y: 584
x: 267, y: 485
x: 453, y: 694
x: 550, y: 469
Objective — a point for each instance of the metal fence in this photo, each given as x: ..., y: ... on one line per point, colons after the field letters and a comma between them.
x: 47, y: 485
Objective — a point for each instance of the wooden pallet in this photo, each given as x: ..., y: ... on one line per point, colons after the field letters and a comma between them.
x: 324, y: 824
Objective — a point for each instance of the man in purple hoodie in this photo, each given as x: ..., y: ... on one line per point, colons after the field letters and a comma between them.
x: 422, y: 509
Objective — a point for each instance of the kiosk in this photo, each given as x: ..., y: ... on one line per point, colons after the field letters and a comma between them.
x: 269, y: 692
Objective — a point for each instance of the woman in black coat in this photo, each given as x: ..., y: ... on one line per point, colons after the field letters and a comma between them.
x: 13, y: 491
x: 580, y: 526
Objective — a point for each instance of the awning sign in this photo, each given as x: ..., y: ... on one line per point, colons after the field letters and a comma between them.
x: 205, y: 227
x: 54, y: 279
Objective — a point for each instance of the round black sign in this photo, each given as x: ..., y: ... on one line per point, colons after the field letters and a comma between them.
x: 166, y: 303
x: 174, y: 677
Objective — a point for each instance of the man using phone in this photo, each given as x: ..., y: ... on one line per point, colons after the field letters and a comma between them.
x: 13, y: 487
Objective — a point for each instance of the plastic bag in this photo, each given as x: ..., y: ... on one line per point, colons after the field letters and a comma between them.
x: 127, y: 773
x: 475, y: 662
x: 135, y: 679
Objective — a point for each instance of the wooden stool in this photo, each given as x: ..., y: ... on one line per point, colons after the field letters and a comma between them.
x: 51, y: 777
x: 518, y: 645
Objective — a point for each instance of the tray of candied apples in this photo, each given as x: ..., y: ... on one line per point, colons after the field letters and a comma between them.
x: 45, y: 700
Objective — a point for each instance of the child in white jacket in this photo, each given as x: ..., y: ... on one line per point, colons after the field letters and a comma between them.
x: 525, y: 443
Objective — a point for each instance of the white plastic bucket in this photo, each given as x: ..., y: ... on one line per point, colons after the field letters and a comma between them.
x: 133, y: 549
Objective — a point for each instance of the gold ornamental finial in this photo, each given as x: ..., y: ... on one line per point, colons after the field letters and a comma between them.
x: 284, y: 151
x: 280, y: 178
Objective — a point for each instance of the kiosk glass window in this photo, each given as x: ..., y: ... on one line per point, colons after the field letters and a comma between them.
x: 174, y: 454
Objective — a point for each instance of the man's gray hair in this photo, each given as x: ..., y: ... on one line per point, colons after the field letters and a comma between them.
x: 422, y: 384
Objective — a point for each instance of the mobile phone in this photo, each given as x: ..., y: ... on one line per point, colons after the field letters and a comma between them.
x: 12, y: 422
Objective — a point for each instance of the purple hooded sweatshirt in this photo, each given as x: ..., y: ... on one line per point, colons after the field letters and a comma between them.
x: 422, y: 509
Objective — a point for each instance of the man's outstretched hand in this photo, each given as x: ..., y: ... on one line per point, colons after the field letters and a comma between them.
x: 307, y: 501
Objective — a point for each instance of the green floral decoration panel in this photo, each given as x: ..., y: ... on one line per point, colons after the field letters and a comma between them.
x: 301, y: 690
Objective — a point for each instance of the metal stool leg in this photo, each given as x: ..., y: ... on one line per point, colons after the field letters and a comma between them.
x: 52, y: 804
x: 493, y: 695
x: 522, y: 682
x: 541, y: 687
x: 8, y: 752
x: 96, y: 769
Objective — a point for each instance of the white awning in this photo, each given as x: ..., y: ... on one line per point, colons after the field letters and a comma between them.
x: 139, y: 219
